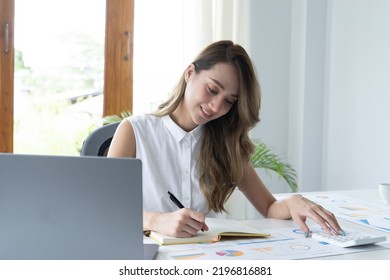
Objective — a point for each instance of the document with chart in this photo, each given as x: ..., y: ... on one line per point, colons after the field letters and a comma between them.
x: 376, y: 216
x: 283, y: 244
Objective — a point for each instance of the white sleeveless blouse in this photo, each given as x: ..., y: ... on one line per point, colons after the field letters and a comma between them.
x: 169, y: 163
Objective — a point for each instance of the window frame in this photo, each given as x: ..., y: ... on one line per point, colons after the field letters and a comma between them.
x: 118, y: 68
x: 7, y: 12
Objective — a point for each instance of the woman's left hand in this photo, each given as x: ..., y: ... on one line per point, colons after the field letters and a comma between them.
x: 302, y: 208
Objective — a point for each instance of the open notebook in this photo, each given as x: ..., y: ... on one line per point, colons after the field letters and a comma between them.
x: 218, y: 228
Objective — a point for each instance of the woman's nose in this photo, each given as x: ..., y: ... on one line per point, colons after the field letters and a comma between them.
x: 216, y: 104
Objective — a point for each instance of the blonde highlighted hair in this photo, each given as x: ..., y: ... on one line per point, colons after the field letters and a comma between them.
x: 226, y: 147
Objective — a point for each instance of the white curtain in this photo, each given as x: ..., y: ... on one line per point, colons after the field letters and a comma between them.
x: 172, y: 33
x: 206, y: 21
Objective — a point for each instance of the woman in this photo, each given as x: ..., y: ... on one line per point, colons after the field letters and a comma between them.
x: 197, y: 146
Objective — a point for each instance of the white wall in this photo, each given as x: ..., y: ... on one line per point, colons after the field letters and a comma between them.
x: 324, y: 67
x: 270, y: 51
x: 358, y: 115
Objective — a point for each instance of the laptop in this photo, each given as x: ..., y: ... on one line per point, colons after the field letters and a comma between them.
x: 71, y: 208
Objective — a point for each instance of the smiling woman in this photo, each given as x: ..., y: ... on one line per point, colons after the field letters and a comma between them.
x: 200, y: 134
x: 203, y: 142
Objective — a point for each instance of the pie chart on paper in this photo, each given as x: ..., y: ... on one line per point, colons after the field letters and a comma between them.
x: 229, y: 253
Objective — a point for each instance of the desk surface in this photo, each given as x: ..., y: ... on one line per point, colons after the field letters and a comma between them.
x: 368, y: 195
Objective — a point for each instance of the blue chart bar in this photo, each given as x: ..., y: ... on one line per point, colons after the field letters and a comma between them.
x: 264, y: 241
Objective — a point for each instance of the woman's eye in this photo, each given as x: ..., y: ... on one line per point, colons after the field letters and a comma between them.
x: 229, y: 102
x: 212, y: 91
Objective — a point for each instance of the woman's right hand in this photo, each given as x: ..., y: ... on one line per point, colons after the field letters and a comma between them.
x: 181, y: 223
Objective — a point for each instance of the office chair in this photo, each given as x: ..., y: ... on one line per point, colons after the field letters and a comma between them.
x: 98, y: 142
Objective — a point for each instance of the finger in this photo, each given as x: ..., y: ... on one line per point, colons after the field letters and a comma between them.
x: 331, y: 221
x: 197, y: 216
x: 318, y: 214
x: 302, y: 225
x: 205, y: 227
x: 189, y: 230
x: 184, y: 228
x: 193, y: 219
x: 195, y: 225
x: 199, y: 219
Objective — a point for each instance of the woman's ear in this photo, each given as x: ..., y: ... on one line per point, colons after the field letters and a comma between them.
x: 189, y: 71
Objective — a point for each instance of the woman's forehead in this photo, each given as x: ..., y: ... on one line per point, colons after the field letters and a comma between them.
x: 225, y: 76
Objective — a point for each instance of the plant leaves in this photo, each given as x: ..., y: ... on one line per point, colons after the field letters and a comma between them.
x: 116, y: 118
x: 264, y: 158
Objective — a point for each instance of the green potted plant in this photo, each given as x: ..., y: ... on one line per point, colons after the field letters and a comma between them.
x: 263, y: 157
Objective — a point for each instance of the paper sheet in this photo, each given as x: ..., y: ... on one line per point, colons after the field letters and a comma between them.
x: 284, y: 244
x: 376, y: 216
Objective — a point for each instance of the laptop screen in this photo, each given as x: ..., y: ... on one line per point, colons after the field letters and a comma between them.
x: 59, y: 207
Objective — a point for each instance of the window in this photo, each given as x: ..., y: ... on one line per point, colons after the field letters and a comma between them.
x: 59, y: 77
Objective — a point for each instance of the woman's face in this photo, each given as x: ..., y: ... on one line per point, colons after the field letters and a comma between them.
x: 209, y: 94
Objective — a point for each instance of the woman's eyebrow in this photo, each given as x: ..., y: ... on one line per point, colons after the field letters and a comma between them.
x: 218, y: 83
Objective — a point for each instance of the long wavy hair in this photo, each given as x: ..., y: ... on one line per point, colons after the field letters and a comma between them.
x: 226, y: 147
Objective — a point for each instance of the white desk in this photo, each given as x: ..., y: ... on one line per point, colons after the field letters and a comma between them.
x: 370, y: 195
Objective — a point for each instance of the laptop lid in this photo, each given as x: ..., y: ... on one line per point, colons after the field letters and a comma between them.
x: 59, y: 207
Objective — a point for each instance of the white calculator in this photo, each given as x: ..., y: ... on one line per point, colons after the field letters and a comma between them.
x: 352, y: 238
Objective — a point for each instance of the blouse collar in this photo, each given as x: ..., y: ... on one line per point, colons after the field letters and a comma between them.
x: 178, y: 133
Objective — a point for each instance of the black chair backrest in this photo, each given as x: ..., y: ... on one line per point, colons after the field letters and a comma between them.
x: 98, y: 142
